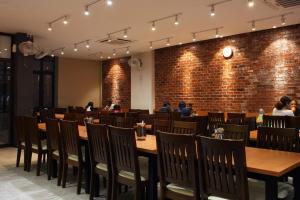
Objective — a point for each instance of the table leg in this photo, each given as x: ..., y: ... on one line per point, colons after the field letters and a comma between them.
x: 296, y: 183
x: 271, y: 189
x: 152, y: 173
x: 87, y: 168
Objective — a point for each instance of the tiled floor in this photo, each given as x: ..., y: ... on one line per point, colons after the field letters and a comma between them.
x: 16, y: 184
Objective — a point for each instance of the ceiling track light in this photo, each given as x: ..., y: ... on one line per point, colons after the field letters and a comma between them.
x: 49, y: 27
x: 153, y: 28
x: 174, y: 16
x: 65, y: 21
x: 109, y: 2
x: 125, y: 33
x: 63, y: 18
x: 176, y: 23
x: 217, y: 33
x: 212, y: 10
x: 151, y: 45
x: 62, y: 51
x: 75, y: 48
x: 127, y: 50
x: 86, y: 11
x: 253, y: 26
x: 250, y: 3
x: 108, y: 38
x: 114, y: 52
x: 283, y: 20
x: 168, y: 42
x: 194, y: 37
x: 87, y: 45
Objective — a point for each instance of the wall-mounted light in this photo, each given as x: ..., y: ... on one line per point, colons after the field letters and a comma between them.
x: 227, y: 52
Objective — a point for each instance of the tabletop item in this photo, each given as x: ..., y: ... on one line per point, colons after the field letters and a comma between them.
x: 219, y: 133
x: 140, y: 131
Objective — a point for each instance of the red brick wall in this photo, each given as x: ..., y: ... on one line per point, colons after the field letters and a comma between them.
x: 116, y: 82
x: 265, y: 66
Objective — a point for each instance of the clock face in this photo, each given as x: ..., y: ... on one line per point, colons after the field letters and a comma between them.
x: 227, y: 52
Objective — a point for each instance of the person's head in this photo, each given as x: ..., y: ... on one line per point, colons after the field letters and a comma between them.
x: 181, y: 105
x: 166, y: 104
x: 293, y: 105
x: 90, y: 104
x: 283, y: 103
x: 117, y: 107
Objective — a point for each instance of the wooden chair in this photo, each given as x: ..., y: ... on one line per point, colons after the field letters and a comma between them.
x: 80, y: 109
x: 162, y: 115
x: 202, y: 123
x: 60, y: 110
x: 161, y: 125
x: 177, y: 164
x: 132, y: 118
x: 275, y: 121
x: 36, y: 144
x: 183, y: 127
x: 72, y: 154
x: 22, y: 141
x: 125, y: 164
x: 106, y: 119
x: 79, y: 117
x: 222, y: 168
x: 294, y: 122
x: 283, y: 139
x: 140, y: 111
x: 236, y: 118
x: 99, y: 156
x: 46, y: 113
x: 120, y: 122
x: 71, y: 109
x: 175, y: 116
x: 238, y: 132
x: 54, y: 146
x: 215, y: 119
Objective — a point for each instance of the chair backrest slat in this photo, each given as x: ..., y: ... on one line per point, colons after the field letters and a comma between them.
x: 106, y: 119
x: 236, y: 118
x: 215, y: 119
x: 202, y: 123
x: 275, y: 121
x: 233, y: 131
x: 161, y: 125
x: 53, y: 134
x: 183, y: 127
x: 222, y: 165
x: 284, y: 139
x: 31, y: 129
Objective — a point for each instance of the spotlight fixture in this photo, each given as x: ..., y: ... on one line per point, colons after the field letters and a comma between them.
x: 101, y: 57
x: 49, y: 27
x: 217, y: 33
x: 5, y: 49
x: 127, y: 50
x: 108, y: 57
x: 86, y: 11
x: 62, y: 52
x: 274, y: 26
x: 180, y: 43
x: 65, y: 21
x: 250, y: 3
x: 114, y: 52
x: 176, y: 23
x: 75, y: 48
x: 194, y: 37
x: 87, y: 44
x: 283, y: 20
x: 151, y: 45
x: 52, y: 55
x: 168, y: 42
x: 109, y: 38
x: 109, y: 2
x: 212, y: 10
x: 153, y: 28
x: 125, y: 33
x: 253, y: 26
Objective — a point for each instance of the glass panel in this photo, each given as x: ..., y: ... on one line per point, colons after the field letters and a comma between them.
x: 5, y: 46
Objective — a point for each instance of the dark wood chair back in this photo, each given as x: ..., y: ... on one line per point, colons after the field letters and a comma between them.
x: 161, y: 125
x: 31, y: 130
x: 215, y: 119
x: 283, y: 139
x: 20, y: 129
x: 98, y: 143
x: 140, y: 111
x: 202, y: 123
x: 118, y: 114
x: 236, y: 118
x: 275, y: 121
x: 79, y: 109
x: 71, y: 109
x: 132, y: 118
x: 70, y: 138
x: 79, y: 117
x: 183, y: 127
x: 60, y: 110
x: 46, y: 113
x: 233, y: 131
x: 148, y: 119
x: 294, y: 122
x: 177, y: 160
x: 93, y: 114
x: 53, y: 135
x: 120, y: 122
x: 123, y: 151
x: 106, y: 119
x: 222, y: 165
x: 162, y: 115
x: 175, y: 116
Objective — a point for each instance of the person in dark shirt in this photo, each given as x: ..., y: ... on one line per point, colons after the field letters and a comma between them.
x: 89, y: 106
x: 295, y: 108
x: 185, y: 112
x: 166, y: 107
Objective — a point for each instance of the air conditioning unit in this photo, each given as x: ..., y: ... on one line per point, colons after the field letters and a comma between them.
x: 280, y: 4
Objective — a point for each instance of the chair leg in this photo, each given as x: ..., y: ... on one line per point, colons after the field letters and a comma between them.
x: 39, y: 163
x: 92, y: 185
x: 60, y: 171
x: 18, y: 156
x: 44, y: 158
x: 115, y: 190
x: 109, y: 189
x: 104, y: 182
x: 29, y: 161
x: 97, y: 185
x: 79, y: 179
x: 64, y: 174
x: 49, y: 167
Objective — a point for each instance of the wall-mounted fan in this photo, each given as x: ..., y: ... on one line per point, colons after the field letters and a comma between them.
x: 29, y: 48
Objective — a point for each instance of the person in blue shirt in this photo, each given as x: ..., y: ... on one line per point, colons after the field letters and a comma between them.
x: 185, y: 112
x: 166, y: 107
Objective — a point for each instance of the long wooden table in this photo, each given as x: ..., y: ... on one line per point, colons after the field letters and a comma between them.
x: 271, y: 164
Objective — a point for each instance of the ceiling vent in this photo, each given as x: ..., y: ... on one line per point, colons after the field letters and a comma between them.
x: 278, y: 4
x: 116, y: 41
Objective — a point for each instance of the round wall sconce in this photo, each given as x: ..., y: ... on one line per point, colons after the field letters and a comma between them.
x: 227, y: 52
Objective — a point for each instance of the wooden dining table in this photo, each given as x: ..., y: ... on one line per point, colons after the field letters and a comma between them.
x: 268, y: 165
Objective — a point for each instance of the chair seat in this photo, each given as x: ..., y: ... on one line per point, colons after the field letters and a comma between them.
x: 180, y: 190
x: 102, y: 166
x: 129, y: 175
x: 23, y: 144
x: 43, y: 143
x: 56, y: 152
x: 74, y: 157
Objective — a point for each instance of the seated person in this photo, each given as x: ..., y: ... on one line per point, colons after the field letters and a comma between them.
x: 117, y: 108
x: 282, y: 108
x: 295, y: 108
x: 166, y: 107
x: 185, y: 112
x: 109, y: 106
x: 89, y: 106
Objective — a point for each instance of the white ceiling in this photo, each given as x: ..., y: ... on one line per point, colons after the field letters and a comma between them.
x: 32, y: 16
